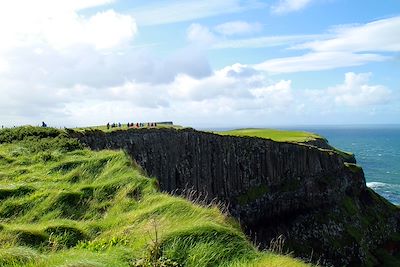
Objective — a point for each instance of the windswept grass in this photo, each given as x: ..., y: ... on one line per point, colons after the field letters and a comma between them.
x: 125, y: 127
x: 273, y: 134
x: 63, y: 205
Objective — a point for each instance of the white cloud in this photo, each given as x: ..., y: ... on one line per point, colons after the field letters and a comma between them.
x: 286, y: 6
x: 266, y: 41
x: 173, y: 11
x: 217, y: 37
x: 354, y: 92
x: 199, y: 34
x: 282, y: 86
x: 58, y: 24
x: 238, y: 28
x: 378, y: 36
x: 230, y: 82
x: 236, y: 93
x: 47, y: 46
x: 349, y: 46
x: 231, y: 90
x: 346, y: 46
x: 103, y: 30
x: 316, y: 61
x: 235, y: 89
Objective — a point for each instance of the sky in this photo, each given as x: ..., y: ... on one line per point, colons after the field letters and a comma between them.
x: 225, y: 63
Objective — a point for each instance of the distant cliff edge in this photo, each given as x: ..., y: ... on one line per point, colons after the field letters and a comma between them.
x: 310, y: 194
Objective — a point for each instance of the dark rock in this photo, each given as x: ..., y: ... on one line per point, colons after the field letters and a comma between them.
x: 313, y: 195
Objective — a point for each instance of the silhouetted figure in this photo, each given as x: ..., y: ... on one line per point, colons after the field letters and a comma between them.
x: 44, y: 125
x: 155, y: 124
x: 108, y: 125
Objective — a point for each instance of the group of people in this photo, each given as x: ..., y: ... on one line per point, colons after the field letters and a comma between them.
x: 114, y: 125
x: 132, y: 125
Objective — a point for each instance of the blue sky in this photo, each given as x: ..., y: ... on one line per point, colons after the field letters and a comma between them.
x: 205, y: 63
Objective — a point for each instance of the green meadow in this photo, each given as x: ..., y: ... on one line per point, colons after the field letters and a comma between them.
x: 62, y: 204
x: 273, y: 134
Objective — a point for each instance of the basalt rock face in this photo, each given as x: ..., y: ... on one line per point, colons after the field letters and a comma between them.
x: 309, y: 194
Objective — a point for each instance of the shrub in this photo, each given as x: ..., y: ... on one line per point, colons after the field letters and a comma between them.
x: 35, y: 144
x: 20, y: 133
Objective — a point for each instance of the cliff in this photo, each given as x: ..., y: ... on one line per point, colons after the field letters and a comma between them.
x: 312, y: 195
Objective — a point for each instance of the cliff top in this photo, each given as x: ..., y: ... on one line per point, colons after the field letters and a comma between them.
x: 125, y: 127
x: 274, y: 134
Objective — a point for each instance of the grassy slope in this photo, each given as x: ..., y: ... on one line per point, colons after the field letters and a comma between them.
x: 276, y: 135
x: 62, y: 205
x: 124, y: 127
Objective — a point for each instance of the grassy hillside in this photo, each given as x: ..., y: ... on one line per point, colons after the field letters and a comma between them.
x: 273, y: 134
x: 64, y: 205
x: 124, y: 127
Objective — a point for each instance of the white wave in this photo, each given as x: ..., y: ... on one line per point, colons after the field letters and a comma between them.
x: 389, y: 191
x: 377, y: 185
x: 380, y: 185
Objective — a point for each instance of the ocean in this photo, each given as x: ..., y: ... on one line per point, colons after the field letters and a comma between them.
x: 377, y: 151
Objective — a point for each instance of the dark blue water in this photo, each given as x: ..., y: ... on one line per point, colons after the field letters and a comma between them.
x: 377, y: 150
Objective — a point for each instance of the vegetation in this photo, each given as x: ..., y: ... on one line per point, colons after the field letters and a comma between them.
x: 125, y: 127
x: 353, y: 167
x: 287, y: 136
x: 64, y: 205
x: 276, y: 135
x: 252, y: 194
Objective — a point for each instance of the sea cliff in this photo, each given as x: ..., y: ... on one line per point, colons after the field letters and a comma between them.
x: 307, y: 193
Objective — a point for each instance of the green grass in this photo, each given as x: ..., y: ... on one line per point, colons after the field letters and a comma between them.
x: 353, y: 167
x: 273, y: 134
x: 287, y: 136
x: 63, y: 205
x: 125, y: 127
x: 253, y: 194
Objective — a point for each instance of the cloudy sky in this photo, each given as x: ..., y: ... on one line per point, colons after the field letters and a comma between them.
x: 200, y: 63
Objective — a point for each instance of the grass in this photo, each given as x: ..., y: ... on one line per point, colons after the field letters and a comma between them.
x: 273, y: 134
x: 125, y: 127
x: 253, y: 194
x: 287, y: 136
x: 64, y: 205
